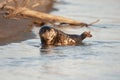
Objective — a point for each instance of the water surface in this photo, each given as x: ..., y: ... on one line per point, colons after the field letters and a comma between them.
x: 97, y: 59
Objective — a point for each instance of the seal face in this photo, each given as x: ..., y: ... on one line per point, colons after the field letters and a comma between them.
x: 52, y: 36
x: 47, y: 35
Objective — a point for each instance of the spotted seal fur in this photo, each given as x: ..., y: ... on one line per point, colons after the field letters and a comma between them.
x: 52, y: 36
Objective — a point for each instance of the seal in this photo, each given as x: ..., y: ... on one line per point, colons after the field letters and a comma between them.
x: 52, y: 36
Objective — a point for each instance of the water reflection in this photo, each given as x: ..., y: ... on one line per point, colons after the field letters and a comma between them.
x: 51, y: 49
x: 47, y: 49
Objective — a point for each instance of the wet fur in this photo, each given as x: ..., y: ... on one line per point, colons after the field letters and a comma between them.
x: 52, y: 36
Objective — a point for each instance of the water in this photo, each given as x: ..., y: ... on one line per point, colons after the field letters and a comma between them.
x: 97, y: 59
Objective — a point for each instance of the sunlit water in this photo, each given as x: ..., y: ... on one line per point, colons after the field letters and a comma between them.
x: 97, y: 59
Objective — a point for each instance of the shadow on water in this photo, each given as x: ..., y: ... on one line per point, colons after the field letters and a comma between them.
x: 61, y: 2
x: 49, y: 49
x: 106, y: 26
x: 82, y: 51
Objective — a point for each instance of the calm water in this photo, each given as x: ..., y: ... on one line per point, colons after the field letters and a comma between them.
x: 97, y: 59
